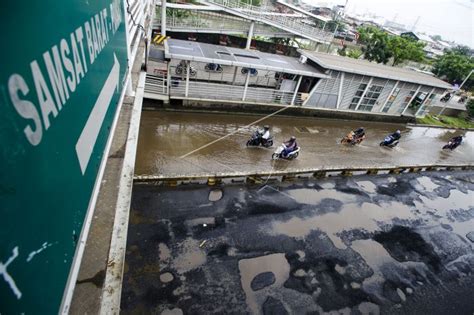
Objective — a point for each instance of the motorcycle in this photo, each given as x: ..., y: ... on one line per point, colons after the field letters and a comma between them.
x: 214, y: 67
x: 451, y: 145
x: 279, y: 153
x: 352, y: 139
x: 389, y: 142
x: 181, y: 68
x: 257, y: 140
x: 446, y: 98
x: 253, y: 72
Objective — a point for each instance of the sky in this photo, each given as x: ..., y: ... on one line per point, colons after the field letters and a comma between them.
x: 452, y: 19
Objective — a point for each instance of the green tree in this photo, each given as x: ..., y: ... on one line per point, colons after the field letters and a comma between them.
x: 376, y: 44
x: 405, y: 49
x: 470, y: 108
x: 453, y: 66
x: 354, y: 53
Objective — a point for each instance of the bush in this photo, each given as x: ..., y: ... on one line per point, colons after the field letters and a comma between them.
x: 470, y: 107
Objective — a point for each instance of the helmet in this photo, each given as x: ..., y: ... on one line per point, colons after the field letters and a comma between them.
x: 398, y: 131
x: 266, y: 127
x: 293, y: 138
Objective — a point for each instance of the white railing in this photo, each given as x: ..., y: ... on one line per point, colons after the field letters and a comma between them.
x: 292, y: 24
x: 214, y: 22
x: 156, y: 84
x: 235, y: 93
x: 136, y: 12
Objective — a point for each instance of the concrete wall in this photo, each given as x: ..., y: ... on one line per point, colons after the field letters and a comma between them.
x: 266, y: 109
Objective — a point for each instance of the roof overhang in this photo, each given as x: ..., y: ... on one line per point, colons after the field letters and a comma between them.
x: 249, y: 64
x: 390, y: 76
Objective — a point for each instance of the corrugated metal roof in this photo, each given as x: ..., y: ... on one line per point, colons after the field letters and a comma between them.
x: 187, y: 50
x: 368, y: 68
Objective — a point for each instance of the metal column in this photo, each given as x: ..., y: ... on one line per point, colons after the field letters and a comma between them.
x: 296, y: 90
x: 250, y: 35
x: 246, y: 85
x: 389, y: 95
x: 163, y: 17
x: 339, y: 94
x: 363, y: 94
x: 188, y: 66
x: 411, y: 100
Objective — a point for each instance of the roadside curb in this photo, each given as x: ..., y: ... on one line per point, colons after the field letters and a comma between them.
x: 439, y: 127
x: 261, y: 177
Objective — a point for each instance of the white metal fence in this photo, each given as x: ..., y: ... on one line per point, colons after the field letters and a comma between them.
x: 285, y: 22
x: 226, y: 92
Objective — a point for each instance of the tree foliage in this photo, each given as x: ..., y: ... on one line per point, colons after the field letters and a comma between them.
x: 453, y: 66
x: 376, y: 44
x: 405, y: 49
x: 381, y: 47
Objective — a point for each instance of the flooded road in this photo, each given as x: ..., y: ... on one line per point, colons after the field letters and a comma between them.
x: 386, y: 244
x: 165, y: 136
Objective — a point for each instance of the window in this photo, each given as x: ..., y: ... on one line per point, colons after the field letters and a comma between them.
x: 358, y: 95
x: 391, y: 100
x: 370, y: 98
x: 406, y: 101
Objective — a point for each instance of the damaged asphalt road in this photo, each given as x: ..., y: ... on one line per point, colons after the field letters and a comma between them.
x: 363, y: 245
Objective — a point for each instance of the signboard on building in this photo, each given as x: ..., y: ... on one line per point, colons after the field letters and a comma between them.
x: 62, y: 69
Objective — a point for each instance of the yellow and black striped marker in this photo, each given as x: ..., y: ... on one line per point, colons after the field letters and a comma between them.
x: 160, y: 39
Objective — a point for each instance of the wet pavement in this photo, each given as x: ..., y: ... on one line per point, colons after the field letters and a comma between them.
x: 361, y: 245
x: 165, y: 136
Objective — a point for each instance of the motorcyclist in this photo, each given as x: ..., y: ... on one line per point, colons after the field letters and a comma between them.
x: 290, y: 146
x: 456, y: 140
x: 265, y: 133
x: 396, y: 135
x: 357, y: 134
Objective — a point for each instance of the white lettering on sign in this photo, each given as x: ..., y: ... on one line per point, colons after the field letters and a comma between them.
x: 6, y: 276
x: 60, y: 72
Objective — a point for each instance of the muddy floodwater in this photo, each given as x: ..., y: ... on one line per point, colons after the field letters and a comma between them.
x: 166, y: 136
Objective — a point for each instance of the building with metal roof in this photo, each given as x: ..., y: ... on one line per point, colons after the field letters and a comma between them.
x: 361, y: 85
x: 212, y: 73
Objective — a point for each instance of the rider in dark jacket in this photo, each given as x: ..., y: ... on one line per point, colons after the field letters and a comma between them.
x: 290, y: 146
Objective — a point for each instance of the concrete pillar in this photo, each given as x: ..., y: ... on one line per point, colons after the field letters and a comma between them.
x: 363, y: 94
x: 247, y: 79
x: 388, y: 97
x: 339, y: 94
x: 188, y: 70
x: 249, y: 38
x: 163, y: 17
x: 424, y: 102
x: 411, y: 100
x: 296, y: 90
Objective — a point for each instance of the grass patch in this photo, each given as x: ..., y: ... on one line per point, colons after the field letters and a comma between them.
x: 445, y: 121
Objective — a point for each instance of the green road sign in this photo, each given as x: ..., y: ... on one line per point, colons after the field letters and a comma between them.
x: 62, y: 69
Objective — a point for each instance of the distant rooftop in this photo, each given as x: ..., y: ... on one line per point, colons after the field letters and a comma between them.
x: 368, y: 68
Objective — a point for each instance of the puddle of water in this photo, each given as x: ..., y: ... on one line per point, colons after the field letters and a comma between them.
x: 351, y: 216
x: 427, y: 183
x: 189, y: 256
x: 314, y: 197
x: 164, y: 252
x: 442, y: 206
x: 249, y: 268
x: 368, y: 186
